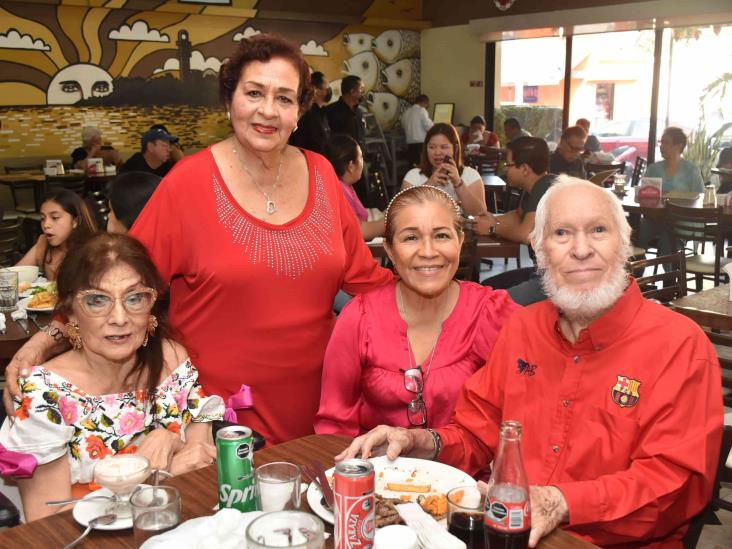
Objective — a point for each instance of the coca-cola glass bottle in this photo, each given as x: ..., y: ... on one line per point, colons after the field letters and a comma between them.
x: 507, y: 520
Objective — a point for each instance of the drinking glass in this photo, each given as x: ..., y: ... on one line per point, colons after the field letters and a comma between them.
x: 121, y: 474
x: 619, y: 183
x: 277, y: 486
x: 286, y: 529
x: 155, y: 509
x: 8, y: 291
x: 465, y: 510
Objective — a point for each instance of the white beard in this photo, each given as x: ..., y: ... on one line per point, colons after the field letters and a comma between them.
x: 588, y: 304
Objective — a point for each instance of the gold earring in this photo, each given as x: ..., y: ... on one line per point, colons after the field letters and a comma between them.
x: 74, y: 335
x: 228, y: 115
x: 152, y: 323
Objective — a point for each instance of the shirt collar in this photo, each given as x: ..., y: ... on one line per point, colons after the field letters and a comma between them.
x: 605, y: 330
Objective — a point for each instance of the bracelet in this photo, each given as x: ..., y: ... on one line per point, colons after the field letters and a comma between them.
x: 456, y: 187
x: 438, y: 443
x: 492, y: 230
x: 55, y: 333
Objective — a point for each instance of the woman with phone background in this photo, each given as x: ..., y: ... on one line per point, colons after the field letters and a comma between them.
x: 441, y: 166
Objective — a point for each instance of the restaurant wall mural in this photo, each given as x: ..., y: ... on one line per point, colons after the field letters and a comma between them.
x: 122, y: 69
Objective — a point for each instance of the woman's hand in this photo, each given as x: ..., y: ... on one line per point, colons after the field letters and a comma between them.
x: 159, y: 447
x: 391, y: 441
x: 28, y: 355
x: 438, y: 178
x: 194, y: 455
x: 450, y: 171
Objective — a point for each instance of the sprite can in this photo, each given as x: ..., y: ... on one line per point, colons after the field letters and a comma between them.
x: 235, y: 463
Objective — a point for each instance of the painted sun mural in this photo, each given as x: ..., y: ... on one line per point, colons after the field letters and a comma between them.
x: 113, y: 58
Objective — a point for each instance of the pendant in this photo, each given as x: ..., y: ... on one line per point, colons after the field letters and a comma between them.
x: 271, y: 208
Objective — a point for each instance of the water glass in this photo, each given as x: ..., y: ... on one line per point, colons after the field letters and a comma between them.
x: 286, y: 529
x: 8, y: 291
x: 619, y: 183
x: 465, y: 509
x: 277, y: 486
x: 155, y: 509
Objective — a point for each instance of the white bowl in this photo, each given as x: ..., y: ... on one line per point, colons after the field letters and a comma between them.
x: 26, y: 273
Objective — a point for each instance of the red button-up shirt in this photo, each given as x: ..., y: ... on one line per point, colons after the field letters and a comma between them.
x: 626, y: 422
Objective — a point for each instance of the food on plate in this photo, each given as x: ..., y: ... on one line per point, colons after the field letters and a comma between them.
x: 435, y: 505
x: 386, y: 512
x: 24, y: 286
x: 407, y: 487
x: 43, y: 300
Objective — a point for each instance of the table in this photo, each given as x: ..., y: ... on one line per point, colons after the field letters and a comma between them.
x: 15, y: 337
x: 493, y: 186
x: 656, y: 208
x: 39, y: 183
x: 710, y: 308
x: 199, y: 495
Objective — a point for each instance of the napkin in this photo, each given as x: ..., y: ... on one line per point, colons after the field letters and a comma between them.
x: 18, y: 314
x: 431, y: 534
x: 224, y: 530
x: 2, y: 323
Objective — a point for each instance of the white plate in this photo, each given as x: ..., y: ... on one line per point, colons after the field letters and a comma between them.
x: 23, y: 304
x: 442, y: 478
x: 227, y: 524
x: 84, y: 511
x: 27, y: 293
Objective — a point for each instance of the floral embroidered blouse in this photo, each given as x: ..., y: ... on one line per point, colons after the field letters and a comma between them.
x: 55, y: 417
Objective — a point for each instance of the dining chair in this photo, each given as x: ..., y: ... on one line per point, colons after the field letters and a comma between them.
x: 10, y: 234
x: 702, y: 226
x: 638, y: 170
x: 468, y: 267
x: 673, y: 281
x: 75, y: 184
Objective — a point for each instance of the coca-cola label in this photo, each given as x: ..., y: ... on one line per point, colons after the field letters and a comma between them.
x: 507, y: 517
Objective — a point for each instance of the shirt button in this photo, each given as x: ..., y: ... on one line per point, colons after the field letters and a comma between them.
x: 555, y: 449
x: 565, y: 403
x: 576, y: 359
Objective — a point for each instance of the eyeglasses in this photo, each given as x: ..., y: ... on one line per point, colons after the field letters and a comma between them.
x: 98, y: 303
x: 416, y: 409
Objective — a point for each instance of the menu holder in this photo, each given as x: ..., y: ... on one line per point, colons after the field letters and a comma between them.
x: 650, y: 188
x: 54, y: 167
x: 95, y: 166
x: 600, y: 177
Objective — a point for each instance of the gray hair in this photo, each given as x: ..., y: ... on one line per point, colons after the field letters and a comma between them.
x: 88, y: 133
x: 541, y: 220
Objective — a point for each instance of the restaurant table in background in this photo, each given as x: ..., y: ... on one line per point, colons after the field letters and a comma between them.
x: 198, y: 491
x: 711, y: 308
x: 488, y: 246
x: 656, y: 208
x: 15, y: 337
x: 494, y: 186
x: 39, y: 183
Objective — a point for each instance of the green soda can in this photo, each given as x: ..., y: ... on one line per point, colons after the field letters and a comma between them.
x: 235, y: 464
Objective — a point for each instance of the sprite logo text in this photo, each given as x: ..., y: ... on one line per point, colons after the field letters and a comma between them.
x: 228, y: 496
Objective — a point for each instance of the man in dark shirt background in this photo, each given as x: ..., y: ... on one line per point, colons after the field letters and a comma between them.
x: 345, y: 117
x: 527, y: 161
x: 313, y: 129
x: 154, y: 156
x: 568, y: 156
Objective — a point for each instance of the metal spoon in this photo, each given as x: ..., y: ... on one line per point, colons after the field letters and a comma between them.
x: 72, y: 500
x: 93, y: 523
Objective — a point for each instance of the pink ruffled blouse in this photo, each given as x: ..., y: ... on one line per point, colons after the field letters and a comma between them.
x: 363, y: 382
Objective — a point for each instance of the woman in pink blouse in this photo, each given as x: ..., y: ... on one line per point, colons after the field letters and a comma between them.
x: 400, y: 354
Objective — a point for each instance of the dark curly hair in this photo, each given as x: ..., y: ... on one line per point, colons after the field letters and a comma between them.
x: 263, y: 48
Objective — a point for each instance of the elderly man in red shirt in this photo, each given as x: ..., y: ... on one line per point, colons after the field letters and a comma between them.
x: 619, y: 398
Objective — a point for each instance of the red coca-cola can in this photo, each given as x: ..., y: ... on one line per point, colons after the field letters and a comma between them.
x: 354, y: 512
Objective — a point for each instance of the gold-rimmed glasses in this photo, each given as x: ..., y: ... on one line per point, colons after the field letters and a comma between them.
x: 99, y: 303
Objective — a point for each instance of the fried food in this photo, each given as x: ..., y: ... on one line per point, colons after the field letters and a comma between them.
x: 435, y: 505
x: 43, y: 300
x: 407, y: 487
x: 386, y: 512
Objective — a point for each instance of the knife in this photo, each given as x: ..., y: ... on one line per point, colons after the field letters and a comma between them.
x: 324, y: 484
x: 23, y: 323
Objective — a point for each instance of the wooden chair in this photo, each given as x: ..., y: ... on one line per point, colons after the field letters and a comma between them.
x: 673, y: 281
x: 640, y: 168
x: 702, y: 225
x: 597, y: 168
x: 10, y: 233
x: 75, y: 184
x: 468, y: 268
x: 487, y: 161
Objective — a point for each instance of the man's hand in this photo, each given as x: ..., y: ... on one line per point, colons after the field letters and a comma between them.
x: 194, y: 455
x: 159, y: 447
x: 484, y: 222
x: 391, y: 441
x: 548, y: 510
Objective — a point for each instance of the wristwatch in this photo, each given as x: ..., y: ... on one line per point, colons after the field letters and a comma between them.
x: 492, y: 230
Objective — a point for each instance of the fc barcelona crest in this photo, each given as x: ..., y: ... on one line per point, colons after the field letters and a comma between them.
x: 625, y: 392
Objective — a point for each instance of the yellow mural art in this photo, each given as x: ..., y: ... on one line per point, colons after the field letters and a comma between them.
x: 107, y: 58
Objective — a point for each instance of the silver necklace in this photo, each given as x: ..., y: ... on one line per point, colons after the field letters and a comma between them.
x: 409, y: 345
x: 271, y: 207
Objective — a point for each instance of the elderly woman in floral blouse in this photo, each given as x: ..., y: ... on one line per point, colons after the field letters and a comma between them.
x: 122, y: 383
